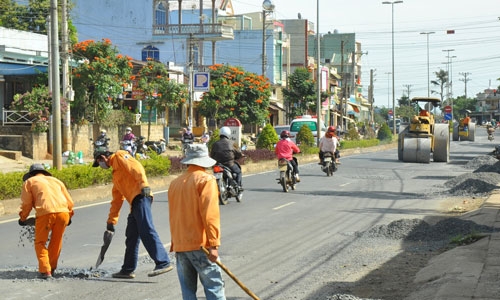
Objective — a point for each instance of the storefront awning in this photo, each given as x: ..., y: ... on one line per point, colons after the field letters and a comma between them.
x: 352, y: 107
x: 275, y: 106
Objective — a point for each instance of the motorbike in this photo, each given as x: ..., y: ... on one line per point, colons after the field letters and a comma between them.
x: 491, y: 133
x: 287, y: 174
x: 101, y: 145
x: 129, y: 145
x: 228, y: 187
x: 329, y: 165
x: 158, y: 147
x: 141, y: 148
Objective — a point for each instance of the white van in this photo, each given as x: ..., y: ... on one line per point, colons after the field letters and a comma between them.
x: 308, y: 120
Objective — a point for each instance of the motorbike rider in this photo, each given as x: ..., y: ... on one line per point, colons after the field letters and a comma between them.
x: 187, y: 137
x: 129, y: 138
x: 329, y: 143
x: 224, y: 152
x: 103, y: 137
x: 285, y: 148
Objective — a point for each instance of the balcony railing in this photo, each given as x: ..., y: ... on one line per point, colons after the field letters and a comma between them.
x: 16, y: 117
x: 202, y: 31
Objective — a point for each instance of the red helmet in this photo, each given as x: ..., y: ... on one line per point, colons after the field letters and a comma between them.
x: 285, y: 134
x: 331, y: 129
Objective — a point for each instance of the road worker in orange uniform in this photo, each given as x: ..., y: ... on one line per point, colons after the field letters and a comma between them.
x: 53, y: 207
x: 131, y: 184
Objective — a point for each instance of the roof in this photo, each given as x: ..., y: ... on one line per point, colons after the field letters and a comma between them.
x: 426, y: 99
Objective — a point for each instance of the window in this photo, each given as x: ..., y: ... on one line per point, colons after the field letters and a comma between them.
x: 150, y: 52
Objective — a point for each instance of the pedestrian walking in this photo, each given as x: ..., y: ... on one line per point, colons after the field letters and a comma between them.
x: 194, y: 223
x: 130, y: 183
x: 53, y: 211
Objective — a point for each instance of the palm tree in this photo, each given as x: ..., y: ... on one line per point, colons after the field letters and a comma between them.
x: 441, y: 81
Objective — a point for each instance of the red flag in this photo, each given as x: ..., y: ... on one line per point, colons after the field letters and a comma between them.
x: 450, y: 31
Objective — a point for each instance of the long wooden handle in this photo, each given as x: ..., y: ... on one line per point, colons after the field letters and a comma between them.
x: 242, y: 286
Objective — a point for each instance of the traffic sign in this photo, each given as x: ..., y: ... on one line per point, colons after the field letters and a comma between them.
x: 447, y: 109
x: 201, y: 81
x: 447, y: 116
x: 390, y: 112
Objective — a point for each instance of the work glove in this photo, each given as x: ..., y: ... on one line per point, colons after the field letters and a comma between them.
x: 110, y: 227
x: 28, y: 222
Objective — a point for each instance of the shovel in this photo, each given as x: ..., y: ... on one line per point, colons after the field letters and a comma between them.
x: 228, y: 272
x: 107, y: 237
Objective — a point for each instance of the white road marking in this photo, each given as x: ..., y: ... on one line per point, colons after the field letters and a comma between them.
x: 345, y: 184
x: 284, y: 205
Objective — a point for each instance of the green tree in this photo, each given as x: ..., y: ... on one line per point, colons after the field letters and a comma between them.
x: 404, y: 100
x: 267, y: 138
x: 38, y: 103
x: 236, y: 93
x: 31, y: 17
x: 98, y: 79
x: 405, y: 112
x: 384, y: 133
x: 301, y: 96
x: 440, y: 82
x: 305, y: 137
x: 461, y: 104
x: 301, y: 93
x: 158, y: 90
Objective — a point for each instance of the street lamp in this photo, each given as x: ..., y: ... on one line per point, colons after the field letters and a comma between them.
x: 393, y: 92
x: 428, y: 74
x: 267, y: 7
x: 449, y: 79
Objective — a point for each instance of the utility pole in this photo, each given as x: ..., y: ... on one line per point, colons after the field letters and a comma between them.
x: 465, y: 80
x: 343, y: 84
x: 370, y: 98
x: 66, y: 86
x: 407, y: 87
x: 56, y: 91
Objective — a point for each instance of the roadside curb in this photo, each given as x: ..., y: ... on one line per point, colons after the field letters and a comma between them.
x: 103, y: 192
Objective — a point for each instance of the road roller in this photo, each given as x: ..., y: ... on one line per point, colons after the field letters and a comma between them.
x: 422, y: 138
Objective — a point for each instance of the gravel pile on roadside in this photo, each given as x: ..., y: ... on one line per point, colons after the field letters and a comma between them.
x: 418, y: 235
x: 480, y: 182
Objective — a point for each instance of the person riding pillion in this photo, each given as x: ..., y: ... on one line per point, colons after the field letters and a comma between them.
x: 286, y: 148
x: 224, y: 152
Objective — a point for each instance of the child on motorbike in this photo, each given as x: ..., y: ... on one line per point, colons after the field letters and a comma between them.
x: 285, y: 148
x: 329, y: 143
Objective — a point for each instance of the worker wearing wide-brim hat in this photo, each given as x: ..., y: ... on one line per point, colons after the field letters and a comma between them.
x: 53, y: 211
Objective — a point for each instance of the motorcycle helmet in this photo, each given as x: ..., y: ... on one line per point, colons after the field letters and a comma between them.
x: 225, y: 131
x: 128, y: 129
x: 285, y: 134
x: 331, y: 129
x: 103, y: 131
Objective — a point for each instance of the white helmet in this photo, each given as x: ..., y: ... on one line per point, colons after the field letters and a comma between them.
x: 225, y: 131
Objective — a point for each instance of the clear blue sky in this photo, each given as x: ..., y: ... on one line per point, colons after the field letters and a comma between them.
x: 476, y: 41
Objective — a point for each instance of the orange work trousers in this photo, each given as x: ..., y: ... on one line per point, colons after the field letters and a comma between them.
x: 55, y: 225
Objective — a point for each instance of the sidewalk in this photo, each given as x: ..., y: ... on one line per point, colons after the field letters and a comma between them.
x: 466, y: 272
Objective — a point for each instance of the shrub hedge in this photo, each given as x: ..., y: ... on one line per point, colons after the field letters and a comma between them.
x: 82, y: 176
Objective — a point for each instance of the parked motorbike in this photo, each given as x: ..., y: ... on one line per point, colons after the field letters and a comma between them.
x: 141, y: 148
x: 287, y: 174
x: 158, y: 147
x: 329, y: 165
x: 228, y: 187
x: 491, y: 133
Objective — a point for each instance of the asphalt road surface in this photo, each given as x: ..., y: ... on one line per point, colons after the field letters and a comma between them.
x: 295, y: 245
